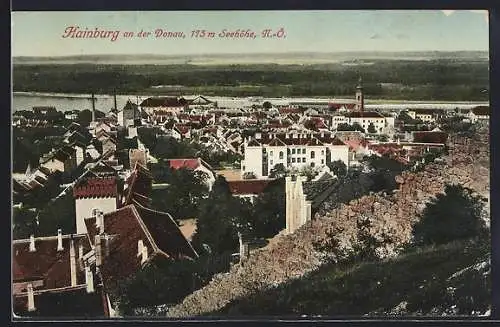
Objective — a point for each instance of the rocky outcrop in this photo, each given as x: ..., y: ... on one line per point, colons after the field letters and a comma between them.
x: 333, y: 236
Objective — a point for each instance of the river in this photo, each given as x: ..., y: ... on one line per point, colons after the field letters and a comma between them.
x: 66, y: 102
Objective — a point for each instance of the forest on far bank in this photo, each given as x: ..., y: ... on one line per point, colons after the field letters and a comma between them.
x: 438, y: 79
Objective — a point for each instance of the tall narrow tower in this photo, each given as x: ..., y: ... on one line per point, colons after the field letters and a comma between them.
x: 93, y: 108
x: 360, y: 99
x: 114, y: 95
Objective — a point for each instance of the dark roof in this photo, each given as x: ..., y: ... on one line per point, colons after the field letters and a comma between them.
x: 129, y: 105
x: 427, y: 111
x: 255, y: 186
x: 96, y: 188
x: 46, y: 263
x: 309, y: 139
x: 164, y: 102
x: 139, y: 185
x: 127, y: 225
x: 481, y: 110
x: 430, y: 137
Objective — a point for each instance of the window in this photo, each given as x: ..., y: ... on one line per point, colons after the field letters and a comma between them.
x: 293, y: 151
x: 312, y: 154
x: 271, y: 162
x: 271, y: 153
x: 303, y: 159
x: 322, y: 161
x: 322, y: 152
x: 293, y: 160
x: 281, y: 154
x: 303, y: 151
x: 312, y: 164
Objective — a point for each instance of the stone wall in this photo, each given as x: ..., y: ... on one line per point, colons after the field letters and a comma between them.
x: 331, y: 237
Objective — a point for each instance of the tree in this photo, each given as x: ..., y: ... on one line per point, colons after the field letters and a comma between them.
x: 278, y: 171
x: 183, y: 195
x: 24, y: 223
x: 58, y: 213
x: 267, y: 105
x: 220, y: 217
x: 371, y: 129
x: 249, y: 175
x: 456, y: 214
x: 338, y: 167
x: 269, y: 208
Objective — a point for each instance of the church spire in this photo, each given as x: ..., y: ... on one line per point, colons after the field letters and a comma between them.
x: 360, y: 98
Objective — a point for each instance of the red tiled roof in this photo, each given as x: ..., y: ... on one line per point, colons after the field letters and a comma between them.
x: 183, y: 129
x: 244, y: 187
x: 127, y: 225
x: 184, y: 163
x: 46, y: 262
x: 96, y: 188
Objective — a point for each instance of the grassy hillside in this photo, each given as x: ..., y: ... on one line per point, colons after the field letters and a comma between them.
x: 452, y: 279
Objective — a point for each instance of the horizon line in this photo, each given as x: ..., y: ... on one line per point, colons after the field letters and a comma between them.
x: 249, y: 53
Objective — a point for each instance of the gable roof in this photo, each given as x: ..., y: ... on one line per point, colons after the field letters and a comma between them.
x: 164, y: 102
x: 139, y: 185
x: 129, y: 224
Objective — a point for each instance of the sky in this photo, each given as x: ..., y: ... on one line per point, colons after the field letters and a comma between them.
x: 41, y: 33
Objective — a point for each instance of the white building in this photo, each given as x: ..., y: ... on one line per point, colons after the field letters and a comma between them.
x: 479, y: 113
x: 94, y: 195
x: 295, y: 150
x: 365, y: 118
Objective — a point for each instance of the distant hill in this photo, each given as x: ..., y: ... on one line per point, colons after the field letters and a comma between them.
x: 283, y: 58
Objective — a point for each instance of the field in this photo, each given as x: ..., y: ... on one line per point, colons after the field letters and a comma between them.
x: 433, y: 78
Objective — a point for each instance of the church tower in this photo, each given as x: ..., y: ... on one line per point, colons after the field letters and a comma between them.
x: 360, y: 99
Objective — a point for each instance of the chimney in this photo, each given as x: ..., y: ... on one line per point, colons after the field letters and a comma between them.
x: 97, y: 249
x: 31, y: 298
x: 116, y: 106
x: 89, y: 280
x: 140, y: 245
x: 144, y: 254
x: 80, y: 254
x: 100, y: 221
x: 72, y: 262
x: 59, y: 240
x: 32, y: 243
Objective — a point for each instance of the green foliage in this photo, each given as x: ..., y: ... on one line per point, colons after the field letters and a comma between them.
x: 269, y: 210
x: 454, y: 215
x: 24, y: 223
x: 423, y: 280
x: 221, y: 216
x: 371, y: 128
x: 167, y: 282
x: 183, y: 195
x: 384, y: 171
x: 278, y: 171
x: 249, y: 175
x: 338, y: 167
x: 414, y: 80
x: 353, y: 127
